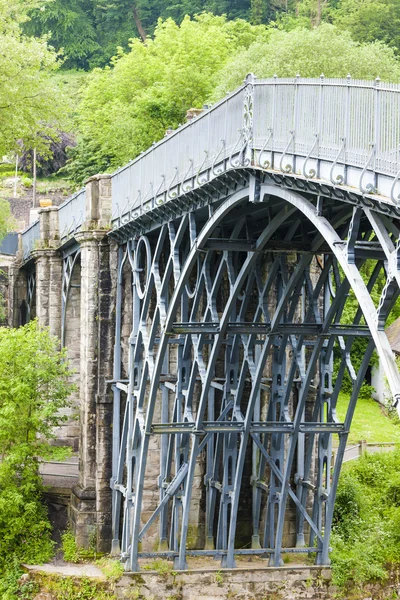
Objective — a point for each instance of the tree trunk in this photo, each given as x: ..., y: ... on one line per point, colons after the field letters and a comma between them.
x: 138, y: 24
x: 319, y: 13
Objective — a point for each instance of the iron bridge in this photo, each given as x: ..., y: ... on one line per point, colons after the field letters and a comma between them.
x: 258, y: 247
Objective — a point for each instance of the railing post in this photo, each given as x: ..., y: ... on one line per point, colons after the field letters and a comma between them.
x: 377, y: 126
x: 295, y: 118
x: 273, y: 119
x: 347, y: 128
x: 248, y: 112
x: 320, y: 118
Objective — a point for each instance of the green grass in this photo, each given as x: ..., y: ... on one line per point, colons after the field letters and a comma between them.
x: 370, y: 421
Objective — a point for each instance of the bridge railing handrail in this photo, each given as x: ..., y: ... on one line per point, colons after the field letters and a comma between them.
x: 343, y: 122
x: 71, y: 214
x: 30, y: 236
x: 317, y: 128
x: 181, y: 157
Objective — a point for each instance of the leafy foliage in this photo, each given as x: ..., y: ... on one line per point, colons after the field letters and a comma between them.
x: 129, y: 105
x: 366, y: 529
x: 89, y: 31
x: 33, y: 388
x: 370, y: 20
x: 310, y: 53
x: 29, y: 104
x: 70, y: 24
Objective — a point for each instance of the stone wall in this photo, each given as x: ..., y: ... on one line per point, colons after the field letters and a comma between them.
x: 256, y: 583
x: 68, y: 434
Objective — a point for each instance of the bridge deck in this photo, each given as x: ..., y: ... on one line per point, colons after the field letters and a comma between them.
x: 340, y: 133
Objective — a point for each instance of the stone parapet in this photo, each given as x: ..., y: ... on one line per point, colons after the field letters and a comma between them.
x: 98, y: 202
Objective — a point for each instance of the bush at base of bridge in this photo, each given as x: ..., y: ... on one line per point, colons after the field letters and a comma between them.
x: 366, y: 529
x: 33, y: 388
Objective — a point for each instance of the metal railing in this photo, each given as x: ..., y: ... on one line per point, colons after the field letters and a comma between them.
x: 29, y: 238
x: 343, y: 131
x: 71, y: 215
x: 9, y: 245
x: 339, y: 131
x: 181, y: 161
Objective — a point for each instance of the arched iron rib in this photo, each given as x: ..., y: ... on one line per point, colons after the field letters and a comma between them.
x: 247, y: 266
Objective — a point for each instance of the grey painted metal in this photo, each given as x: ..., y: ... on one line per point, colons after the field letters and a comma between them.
x: 71, y: 215
x: 29, y: 238
x: 240, y: 238
x: 307, y: 305
x: 30, y: 293
x: 9, y: 244
x: 343, y: 132
x: 70, y: 259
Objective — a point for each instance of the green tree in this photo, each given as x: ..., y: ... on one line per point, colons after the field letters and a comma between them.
x: 89, y: 31
x: 29, y: 102
x: 33, y: 388
x: 71, y: 28
x: 370, y: 20
x: 131, y: 104
x: 325, y: 50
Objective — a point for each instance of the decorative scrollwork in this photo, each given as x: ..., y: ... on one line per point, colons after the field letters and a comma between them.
x: 236, y: 163
x: 248, y: 107
x: 369, y: 188
x: 125, y: 213
x: 266, y: 164
x: 149, y: 194
x: 352, y: 235
x: 203, y: 179
x: 172, y: 195
x: 287, y: 168
x: 138, y: 268
x: 159, y: 189
x: 386, y: 295
x: 396, y: 179
x: 339, y: 179
x: 185, y: 177
x: 220, y: 170
x: 312, y: 172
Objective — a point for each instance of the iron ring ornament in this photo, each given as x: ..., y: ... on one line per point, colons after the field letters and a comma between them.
x: 143, y: 244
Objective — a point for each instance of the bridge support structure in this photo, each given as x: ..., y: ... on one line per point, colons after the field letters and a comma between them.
x: 90, y: 512
x: 223, y: 301
x: 237, y: 315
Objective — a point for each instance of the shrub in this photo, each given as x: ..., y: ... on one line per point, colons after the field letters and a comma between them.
x: 366, y: 527
x: 33, y: 388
